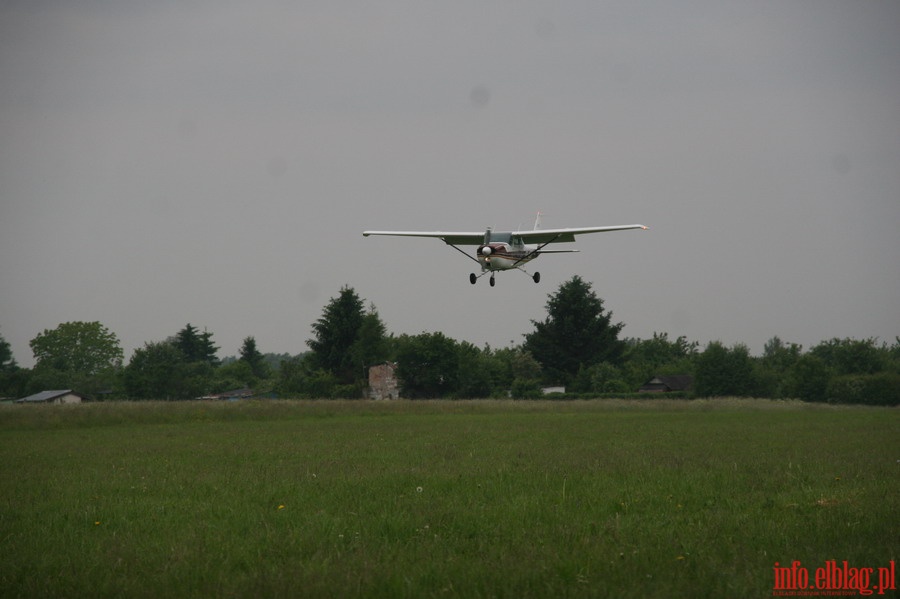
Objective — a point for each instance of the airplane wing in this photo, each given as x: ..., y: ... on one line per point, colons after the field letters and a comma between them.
x: 529, y: 236
x: 567, y: 235
x: 452, y: 238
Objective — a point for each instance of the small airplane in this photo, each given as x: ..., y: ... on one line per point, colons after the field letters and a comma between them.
x: 508, y: 249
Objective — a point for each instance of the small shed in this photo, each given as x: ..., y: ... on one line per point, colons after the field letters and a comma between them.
x: 551, y: 390
x: 55, y: 397
x: 668, y: 383
x: 383, y: 383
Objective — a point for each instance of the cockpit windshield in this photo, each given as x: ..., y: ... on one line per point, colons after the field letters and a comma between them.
x: 501, y: 237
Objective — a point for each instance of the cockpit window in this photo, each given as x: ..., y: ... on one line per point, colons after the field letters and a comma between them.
x: 501, y: 237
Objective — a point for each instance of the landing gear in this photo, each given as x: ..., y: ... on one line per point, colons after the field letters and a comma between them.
x: 473, y: 278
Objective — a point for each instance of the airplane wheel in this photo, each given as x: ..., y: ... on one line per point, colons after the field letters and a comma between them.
x: 537, y: 277
x: 472, y: 278
x: 493, y: 282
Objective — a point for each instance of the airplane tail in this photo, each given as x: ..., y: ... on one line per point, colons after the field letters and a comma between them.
x: 537, y: 221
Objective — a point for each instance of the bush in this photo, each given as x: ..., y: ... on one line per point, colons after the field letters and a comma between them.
x: 808, y: 379
x: 882, y: 389
x: 346, y: 392
x: 526, y: 389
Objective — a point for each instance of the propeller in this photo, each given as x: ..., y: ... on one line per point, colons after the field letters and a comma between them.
x: 485, y: 249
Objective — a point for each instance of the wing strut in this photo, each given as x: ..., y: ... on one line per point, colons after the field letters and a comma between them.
x: 535, y: 250
x: 463, y: 252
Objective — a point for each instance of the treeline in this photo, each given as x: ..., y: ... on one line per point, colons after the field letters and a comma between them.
x: 576, y: 346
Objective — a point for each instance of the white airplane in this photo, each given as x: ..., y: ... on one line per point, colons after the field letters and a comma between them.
x: 509, y: 249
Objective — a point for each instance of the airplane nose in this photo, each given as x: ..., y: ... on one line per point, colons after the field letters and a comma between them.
x: 486, y: 251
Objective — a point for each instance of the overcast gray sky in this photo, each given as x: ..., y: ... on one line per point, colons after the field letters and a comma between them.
x: 216, y: 162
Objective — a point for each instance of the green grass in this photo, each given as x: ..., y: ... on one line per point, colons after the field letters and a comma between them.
x: 421, y: 499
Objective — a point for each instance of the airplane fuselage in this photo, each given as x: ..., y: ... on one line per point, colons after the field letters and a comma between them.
x: 503, y: 256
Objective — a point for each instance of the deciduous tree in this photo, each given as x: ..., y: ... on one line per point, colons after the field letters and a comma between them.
x: 646, y: 358
x: 427, y: 365
x: 808, y: 378
x: 159, y: 371
x: 13, y: 380
x: 853, y: 356
x: 151, y: 372
x: 722, y: 371
x: 83, y: 348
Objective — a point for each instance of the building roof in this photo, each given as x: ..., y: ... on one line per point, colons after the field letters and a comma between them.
x: 672, y: 382
x: 46, y: 396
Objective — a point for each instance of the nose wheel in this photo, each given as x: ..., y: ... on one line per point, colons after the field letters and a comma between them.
x: 493, y: 282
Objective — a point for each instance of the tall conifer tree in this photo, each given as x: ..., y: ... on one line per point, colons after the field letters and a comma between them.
x: 577, y: 333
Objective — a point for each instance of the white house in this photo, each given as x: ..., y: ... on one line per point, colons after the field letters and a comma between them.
x: 57, y: 397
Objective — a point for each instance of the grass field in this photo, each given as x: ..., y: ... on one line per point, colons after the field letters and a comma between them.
x: 432, y: 499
